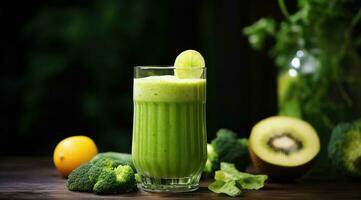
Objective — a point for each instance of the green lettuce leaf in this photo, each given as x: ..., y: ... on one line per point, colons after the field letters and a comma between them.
x: 230, y: 181
x: 230, y: 188
x: 246, y: 181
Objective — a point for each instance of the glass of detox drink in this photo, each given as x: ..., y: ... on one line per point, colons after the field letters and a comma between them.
x: 169, y: 127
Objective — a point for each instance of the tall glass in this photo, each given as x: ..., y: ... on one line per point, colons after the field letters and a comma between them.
x: 169, y: 128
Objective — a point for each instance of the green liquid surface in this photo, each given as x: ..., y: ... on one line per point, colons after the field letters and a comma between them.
x: 169, y: 130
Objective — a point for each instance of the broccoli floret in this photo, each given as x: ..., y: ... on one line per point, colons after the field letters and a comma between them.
x: 99, y: 165
x: 212, y: 163
x: 344, y: 148
x: 113, y: 181
x: 78, y: 180
x: 126, y: 177
x: 138, y: 178
x: 231, y: 149
x: 121, y: 158
x: 106, y: 183
x: 105, y: 176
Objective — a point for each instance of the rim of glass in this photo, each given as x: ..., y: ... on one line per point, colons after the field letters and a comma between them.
x: 165, y: 67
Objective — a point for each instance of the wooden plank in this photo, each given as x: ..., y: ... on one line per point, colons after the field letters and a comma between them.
x: 36, y: 178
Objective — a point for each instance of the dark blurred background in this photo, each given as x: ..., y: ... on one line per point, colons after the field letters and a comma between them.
x: 67, y: 66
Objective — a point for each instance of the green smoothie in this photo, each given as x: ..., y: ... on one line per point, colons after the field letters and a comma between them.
x: 169, y: 130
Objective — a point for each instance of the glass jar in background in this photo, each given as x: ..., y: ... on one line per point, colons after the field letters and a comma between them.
x: 320, y: 93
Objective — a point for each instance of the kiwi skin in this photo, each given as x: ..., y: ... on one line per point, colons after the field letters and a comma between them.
x: 279, y: 173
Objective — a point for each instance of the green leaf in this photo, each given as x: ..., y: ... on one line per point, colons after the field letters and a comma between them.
x: 229, y: 188
x: 246, y: 181
x: 258, y: 32
x: 252, y: 182
x: 230, y: 181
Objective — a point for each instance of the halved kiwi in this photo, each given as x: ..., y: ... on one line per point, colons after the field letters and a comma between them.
x: 283, y: 147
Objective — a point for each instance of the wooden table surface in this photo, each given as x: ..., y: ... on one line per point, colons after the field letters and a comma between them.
x: 36, y: 178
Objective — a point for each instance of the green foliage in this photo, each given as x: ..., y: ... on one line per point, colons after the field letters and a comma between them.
x: 320, y: 38
x: 230, y: 181
x: 101, y: 41
x: 259, y: 32
x: 344, y: 149
x: 78, y: 180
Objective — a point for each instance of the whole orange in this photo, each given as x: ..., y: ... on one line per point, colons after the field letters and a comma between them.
x: 71, y: 152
